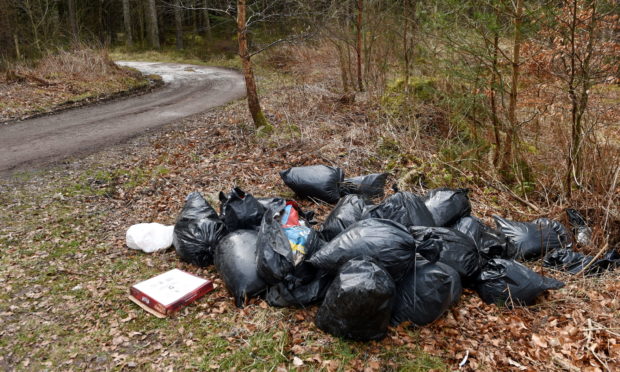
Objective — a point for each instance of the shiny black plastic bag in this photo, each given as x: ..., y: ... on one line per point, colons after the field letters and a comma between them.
x: 305, y: 285
x: 371, y: 185
x: 348, y: 211
x: 491, y: 243
x: 320, y: 182
x: 387, y: 242
x: 197, y: 231
x: 274, y: 204
x: 574, y: 262
x: 581, y: 230
x: 456, y: 249
x: 533, y: 240
x: 403, y: 207
x: 240, y: 210
x: 275, y: 258
x: 358, y: 303
x: 235, y: 260
x: 447, y: 205
x: 507, y: 282
x: 426, y: 293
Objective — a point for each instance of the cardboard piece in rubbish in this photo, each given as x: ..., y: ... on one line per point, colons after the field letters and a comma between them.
x: 166, y: 293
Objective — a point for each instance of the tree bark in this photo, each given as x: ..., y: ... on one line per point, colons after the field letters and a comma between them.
x: 494, y: 116
x: 8, y: 36
x: 153, y: 28
x: 73, y: 20
x: 358, y: 25
x: 127, y: 22
x: 406, y: 42
x: 580, y: 70
x: 178, y: 22
x: 250, y: 84
x: 511, y: 132
x: 207, y: 20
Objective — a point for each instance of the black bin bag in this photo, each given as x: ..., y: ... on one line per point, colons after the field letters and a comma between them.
x: 387, y: 242
x: 507, y: 282
x: 197, y: 231
x: 535, y: 239
x: 274, y: 204
x: 574, y: 262
x: 456, y: 249
x: 240, y: 210
x: 320, y: 182
x: 581, y: 230
x: 305, y: 285
x: 447, y: 205
x: 403, y: 207
x: 235, y: 260
x: 371, y: 185
x: 275, y: 258
x: 491, y: 243
x: 348, y: 211
x: 426, y: 293
x: 359, y: 302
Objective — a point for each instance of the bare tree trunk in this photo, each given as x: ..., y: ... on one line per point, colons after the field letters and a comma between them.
x: 358, y: 25
x: 250, y: 85
x: 178, y: 22
x: 194, y: 13
x: 35, y: 31
x: 141, y: 23
x: 101, y: 23
x: 207, y: 23
x: 343, y: 67
x: 579, y: 71
x: 73, y: 20
x: 153, y: 28
x: 511, y: 132
x: 8, y: 36
x: 127, y: 22
x: 494, y: 116
x: 406, y: 42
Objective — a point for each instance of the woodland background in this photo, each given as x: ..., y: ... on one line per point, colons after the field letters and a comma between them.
x: 517, y: 100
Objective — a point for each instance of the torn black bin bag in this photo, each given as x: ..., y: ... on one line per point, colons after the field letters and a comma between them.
x: 305, y: 285
x: 581, y: 230
x: 302, y: 294
x: 491, y: 243
x: 371, y: 185
x: 320, y: 182
x: 507, y: 282
x: 235, y: 260
x: 532, y: 240
x: 403, y: 207
x: 456, y: 249
x: 426, y: 293
x: 388, y: 242
x: 240, y: 210
x: 563, y: 235
x: 275, y: 257
x: 447, y: 205
x: 197, y: 231
x: 574, y: 262
x: 348, y: 211
x: 274, y: 204
x: 358, y: 303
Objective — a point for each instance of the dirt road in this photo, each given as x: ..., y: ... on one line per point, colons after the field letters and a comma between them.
x: 188, y: 90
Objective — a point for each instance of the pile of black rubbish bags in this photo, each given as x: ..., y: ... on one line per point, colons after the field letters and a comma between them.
x: 369, y: 265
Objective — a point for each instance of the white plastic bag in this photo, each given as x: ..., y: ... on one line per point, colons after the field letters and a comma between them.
x: 149, y: 237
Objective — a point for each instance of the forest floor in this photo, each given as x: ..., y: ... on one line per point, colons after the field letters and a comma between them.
x: 65, y: 80
x: 65, y: 270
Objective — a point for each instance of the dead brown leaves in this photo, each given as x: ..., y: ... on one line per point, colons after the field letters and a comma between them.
x: 60, y: 81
